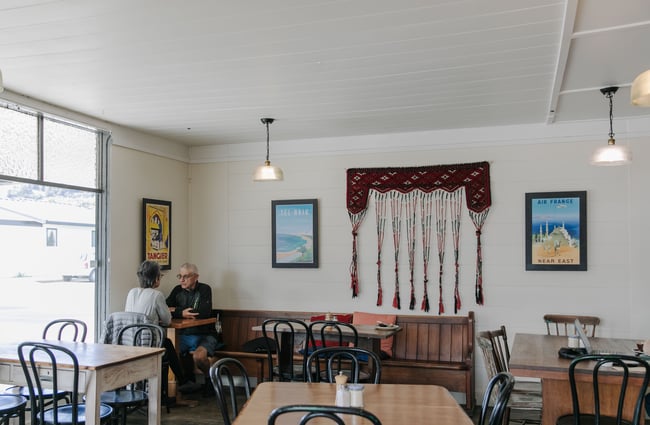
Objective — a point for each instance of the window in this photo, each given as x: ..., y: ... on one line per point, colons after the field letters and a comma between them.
x: 52, y: 173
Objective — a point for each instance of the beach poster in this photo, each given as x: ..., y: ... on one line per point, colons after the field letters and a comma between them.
x: 294, y: 233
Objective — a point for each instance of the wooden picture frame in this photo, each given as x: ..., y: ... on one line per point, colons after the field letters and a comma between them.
x: 556, y: 231
x: 294, y: 233
x: 157, y: 232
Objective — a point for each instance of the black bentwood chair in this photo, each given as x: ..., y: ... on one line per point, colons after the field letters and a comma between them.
x: 603, y: 366
x: 333, y: 413
x: 498, y: 391
x: 229, y: 375
x: 291, y: 338
x: 336, y: 358
x: 12, y: 406
x: 34, y: 358
x: 124, y: 400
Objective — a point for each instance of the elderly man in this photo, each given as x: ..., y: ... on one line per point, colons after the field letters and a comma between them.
x: 189, y: 300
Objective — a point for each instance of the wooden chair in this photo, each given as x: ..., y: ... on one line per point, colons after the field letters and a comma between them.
x: 602, y: 370
x: 227, y: 375
x: 12, y: 406
x: 286, y: 334
x: 34, y: 356
x: 336, y: 357
x: 526, y: 401
x: 563, y: 324
x: 332, y: 413
x: 122, y: 400
x: 497, y: 394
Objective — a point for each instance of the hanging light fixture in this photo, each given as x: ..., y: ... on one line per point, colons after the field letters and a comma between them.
x: 610, y: 154
x: 640, y: 92
x: 267, y: 172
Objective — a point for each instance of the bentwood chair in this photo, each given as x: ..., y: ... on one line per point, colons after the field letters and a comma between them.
x: 291, y: 338
x: 12, y: 406
x: 332, y: 333
x: 601, y: 373
x: 124, y: 400
x: 62, y: 330
x: 312, y: 411
x: 227, y: 376
x: 336, y: 358
x: 34, y: 356
x: 497, y: 394
x: 563, y: 324
x: 525, y: 403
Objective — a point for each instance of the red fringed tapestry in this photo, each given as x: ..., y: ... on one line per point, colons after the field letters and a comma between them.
x: 406, y: 187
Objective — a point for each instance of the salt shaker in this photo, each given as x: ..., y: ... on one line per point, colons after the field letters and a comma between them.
x: 342, y: 392
x: 356, y: 395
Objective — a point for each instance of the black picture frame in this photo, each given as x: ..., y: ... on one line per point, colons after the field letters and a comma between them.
x: 294, y: 233
x: 157, y: 232
x: 556, y: 231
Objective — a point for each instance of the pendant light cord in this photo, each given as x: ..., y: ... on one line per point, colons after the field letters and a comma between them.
x: 267, y: 136
x: 610, y: 95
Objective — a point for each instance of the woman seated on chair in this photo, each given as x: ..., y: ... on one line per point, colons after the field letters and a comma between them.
x: 148, y: 300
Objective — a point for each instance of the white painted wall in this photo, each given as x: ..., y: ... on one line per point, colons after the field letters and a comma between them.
x: 136, y: 175
x: 230, y: 227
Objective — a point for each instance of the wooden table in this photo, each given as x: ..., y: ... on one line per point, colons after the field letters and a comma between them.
x: 391, y: 403
x: 537, y: 356
x: 102, y: 367
x: 369, y: 336
x: 175, y: 337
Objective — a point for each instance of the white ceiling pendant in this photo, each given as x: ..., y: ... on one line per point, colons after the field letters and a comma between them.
x: 267, y: 172
x: 640, y: 92
x: 611, y: 154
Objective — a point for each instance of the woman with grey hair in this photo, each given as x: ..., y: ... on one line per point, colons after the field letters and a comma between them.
x: 147, y: 299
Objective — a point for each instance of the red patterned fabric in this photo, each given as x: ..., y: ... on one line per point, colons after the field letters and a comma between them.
x: 474, y: 178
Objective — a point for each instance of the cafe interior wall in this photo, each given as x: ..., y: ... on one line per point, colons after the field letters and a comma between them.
x: 230, y: 237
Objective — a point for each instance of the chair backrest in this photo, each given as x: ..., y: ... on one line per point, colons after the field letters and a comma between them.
x: 119, y: 319
x: 313, y: 411
x: 498, y: 391
x: 602, y: 372
x: 335, y: 357
x: 291, y: 336
x: 563, y: 324
x: 488, y: 355
x: 34, y: 359
x: 141, y: 335
x: 68, y: 329
x: 227, y: 375
x: 330, y: 333
x: 500, y: 350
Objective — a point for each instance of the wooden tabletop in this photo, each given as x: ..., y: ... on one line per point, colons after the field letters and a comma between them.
x: 537, y: 355
x: 89, y: 356
x: 190, y: 323
x: 391, y: 403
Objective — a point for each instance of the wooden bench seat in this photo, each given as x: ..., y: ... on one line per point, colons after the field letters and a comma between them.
x: 432, y: 349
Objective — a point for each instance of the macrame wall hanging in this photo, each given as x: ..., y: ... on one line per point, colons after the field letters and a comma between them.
x: 433, y: 192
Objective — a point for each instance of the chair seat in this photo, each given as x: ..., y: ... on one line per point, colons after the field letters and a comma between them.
x: 124, y: 397
x: 24, y: 391
x: 65, y: 414
x: 12, y: 404
x: 586, y: 419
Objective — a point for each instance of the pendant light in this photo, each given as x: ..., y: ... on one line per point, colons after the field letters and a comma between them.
x: 611, y: 154
x: 640, y: 92
x: 267, y: 172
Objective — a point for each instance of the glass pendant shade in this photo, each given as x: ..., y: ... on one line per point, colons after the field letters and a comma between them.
x: 640, y: 92
x: 611, y: 155
x: 268, y: 172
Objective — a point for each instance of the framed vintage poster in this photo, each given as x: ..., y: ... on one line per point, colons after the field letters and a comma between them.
x: 157, y: 231
x: 556, y: 231
x: 294, y: 233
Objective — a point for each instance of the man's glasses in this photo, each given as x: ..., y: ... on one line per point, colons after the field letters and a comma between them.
x: 184, y: 276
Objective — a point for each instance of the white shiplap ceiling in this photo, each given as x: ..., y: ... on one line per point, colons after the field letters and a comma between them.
x: 204, y: 72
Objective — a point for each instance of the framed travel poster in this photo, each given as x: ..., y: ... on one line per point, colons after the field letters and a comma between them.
x: 294, y: 233
x: 157, y: 232
x: 556, y: 231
